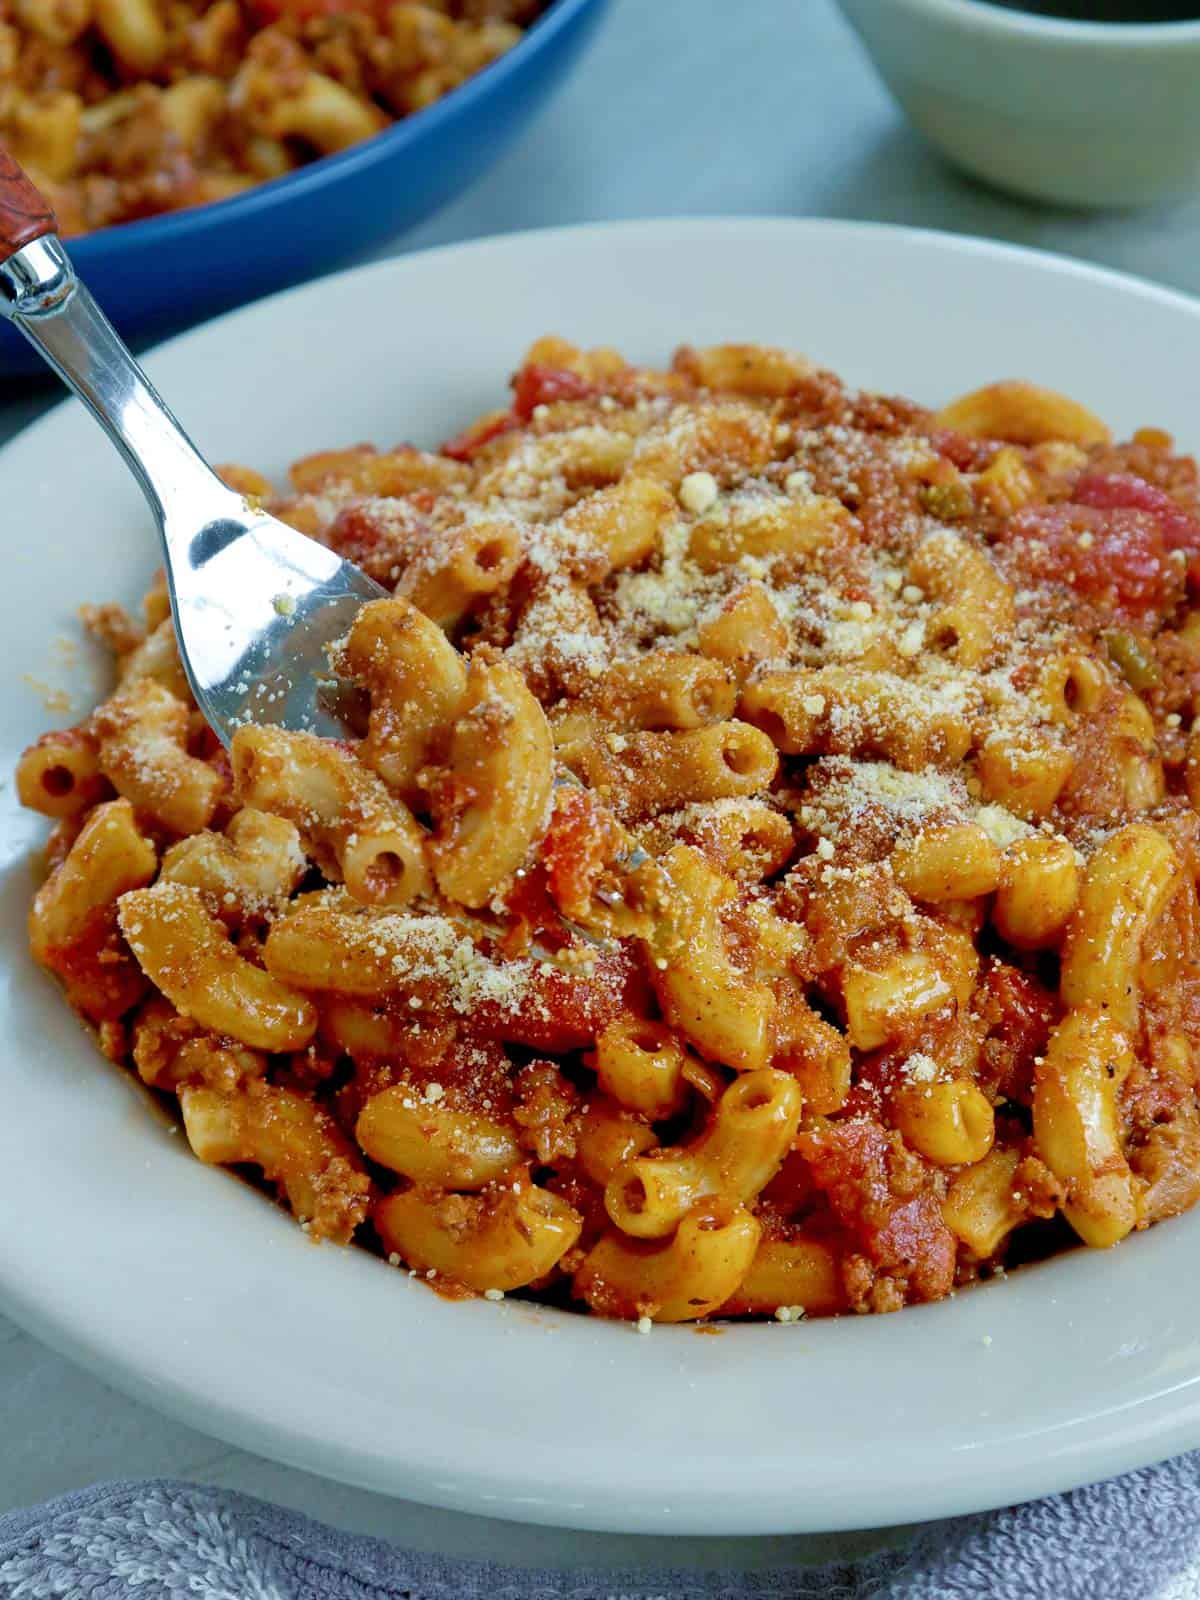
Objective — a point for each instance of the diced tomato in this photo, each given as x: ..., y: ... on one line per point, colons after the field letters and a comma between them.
x: 532, y: 915
x: 557, y: 1009
x: 378, y: 538
x: 532, y: 386
x: 1109, y: 491
x: 1118, y: 554
x: 464, y: 445
x: 581, y: 841
x: 355, y: 534
x: 535, y: 385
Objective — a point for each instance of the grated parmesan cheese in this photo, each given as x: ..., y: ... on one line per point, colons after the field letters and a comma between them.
x: 1001, y: 827
x: 698, y: 492
x: 920, y: 1068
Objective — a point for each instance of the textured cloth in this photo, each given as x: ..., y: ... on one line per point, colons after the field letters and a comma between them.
x: 1136, y: 1538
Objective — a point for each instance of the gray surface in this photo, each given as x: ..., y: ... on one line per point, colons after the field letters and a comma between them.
x: 684, y: 106
x: 1135, y: 1537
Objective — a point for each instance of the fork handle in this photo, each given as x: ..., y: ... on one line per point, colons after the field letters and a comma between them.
x: 41, y: 296
x: 25, y: 214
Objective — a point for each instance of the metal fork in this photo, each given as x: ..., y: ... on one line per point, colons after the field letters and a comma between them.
x: 255, y: 603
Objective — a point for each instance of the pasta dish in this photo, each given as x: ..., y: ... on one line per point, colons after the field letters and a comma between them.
x: 122, y: 109
x: 765, y: 881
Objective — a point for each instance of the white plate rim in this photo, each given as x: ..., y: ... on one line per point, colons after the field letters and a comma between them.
x: 664, y: 1488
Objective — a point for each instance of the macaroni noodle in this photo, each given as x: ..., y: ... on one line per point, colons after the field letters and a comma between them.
x: 766, y: 880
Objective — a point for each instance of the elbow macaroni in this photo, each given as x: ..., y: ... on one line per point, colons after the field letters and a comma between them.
x: 186, y: 952
x: 766, y: 879
x: 494, y: 798
x: 750, y: 1130
x: 350, y: 825
x: 141, y: 738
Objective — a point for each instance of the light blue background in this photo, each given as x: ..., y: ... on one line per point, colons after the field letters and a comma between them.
x: 683, y: 107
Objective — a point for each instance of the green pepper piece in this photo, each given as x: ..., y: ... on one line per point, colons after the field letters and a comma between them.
x: 1133, y: 659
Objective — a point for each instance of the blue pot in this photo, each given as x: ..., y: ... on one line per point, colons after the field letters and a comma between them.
x: 157, y: 276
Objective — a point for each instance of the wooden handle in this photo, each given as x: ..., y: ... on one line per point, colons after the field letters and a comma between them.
x: 24, y: 214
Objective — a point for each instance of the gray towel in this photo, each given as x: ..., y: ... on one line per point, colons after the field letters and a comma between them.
x: 1135, y: 1538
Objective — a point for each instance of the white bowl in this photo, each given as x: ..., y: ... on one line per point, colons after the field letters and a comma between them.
x: 1079, y: 113
x: 192, y: 1292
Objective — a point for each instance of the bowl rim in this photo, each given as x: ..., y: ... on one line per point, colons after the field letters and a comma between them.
x: 541, y: 1489
x: 1000, y: 20
x: 178, y: 225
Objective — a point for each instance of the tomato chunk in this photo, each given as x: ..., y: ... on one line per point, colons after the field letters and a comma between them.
x: 465, y: 445
x: 378, y: 536
x: 536, y: 385
x: 1117, y: 555
x: 1109, y: 491
x: 533, y: 915
x: 582, y: 840
x: 559, y: 1009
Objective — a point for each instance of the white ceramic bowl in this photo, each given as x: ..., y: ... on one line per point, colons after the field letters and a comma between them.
x: 1086, y: 114
x: 193, y: 1293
